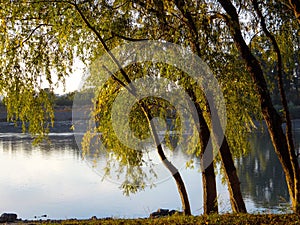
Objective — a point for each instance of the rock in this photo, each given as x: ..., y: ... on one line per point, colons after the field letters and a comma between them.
x: 172, y: 212
x: 94, y: 218
x: 163, y: 212
x: 42, y: 216
x: 8, y: 217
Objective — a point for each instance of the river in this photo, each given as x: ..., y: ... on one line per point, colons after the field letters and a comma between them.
x: 53, y: 179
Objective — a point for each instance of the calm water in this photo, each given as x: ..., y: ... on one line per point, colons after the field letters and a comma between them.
x: 53, y: 179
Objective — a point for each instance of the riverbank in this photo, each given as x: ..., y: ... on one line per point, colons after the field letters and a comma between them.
x: 61, y: 113
x: 59, y: 127
x: 189, y: 220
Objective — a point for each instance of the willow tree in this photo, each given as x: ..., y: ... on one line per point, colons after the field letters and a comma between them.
x: 41, y: 38
x: 32, y: 50
x: 282, y: 144
x: 218, y: 31
x: 148, y: 29
x: 36, y: 49
x: 188, y: 23
x: 44, y: 41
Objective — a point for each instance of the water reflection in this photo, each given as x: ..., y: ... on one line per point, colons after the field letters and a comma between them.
x: 22, y: 144
x: 261, y: 175
x: 53, y: 179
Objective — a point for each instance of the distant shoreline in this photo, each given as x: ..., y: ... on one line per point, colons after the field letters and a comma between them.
x: 59, y: 127
x: 61, y: 113
x: 62, y: 121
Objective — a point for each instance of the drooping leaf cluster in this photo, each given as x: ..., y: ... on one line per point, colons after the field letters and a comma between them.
x: 40, y: 40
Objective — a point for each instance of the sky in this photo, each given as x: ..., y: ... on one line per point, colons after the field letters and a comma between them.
x: 72, y: 82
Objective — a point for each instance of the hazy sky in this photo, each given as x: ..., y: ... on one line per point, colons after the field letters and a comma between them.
x: 73, y: 82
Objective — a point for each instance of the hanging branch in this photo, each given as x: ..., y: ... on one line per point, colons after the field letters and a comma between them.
x: 175, y: 173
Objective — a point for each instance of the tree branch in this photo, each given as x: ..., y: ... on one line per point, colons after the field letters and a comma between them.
x: 28, y: 37
x: 128, y: 38
x: 90, y: 26
x: 176, y: 175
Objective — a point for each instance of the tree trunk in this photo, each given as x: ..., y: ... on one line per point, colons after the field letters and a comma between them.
x: 270, y: 115
x: 180, y: 184
x: 237, y: 202
x: 210, y: 201
x: 289, y: 133
x: 236, y: 198
x: 173, y: 170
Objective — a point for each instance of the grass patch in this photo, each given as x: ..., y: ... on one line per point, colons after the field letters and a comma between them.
x: 189, y: 220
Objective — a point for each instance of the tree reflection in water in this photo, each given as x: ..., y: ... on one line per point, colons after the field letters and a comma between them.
x: 261, y: 175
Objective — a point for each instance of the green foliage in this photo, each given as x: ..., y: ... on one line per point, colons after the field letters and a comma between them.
x: 286, y: 34
x: 32, y: 50
x: 129, y: 160
x: 242, y: 104
x: 35, y: 110
x: 133, y: 164
x: 40, y: 39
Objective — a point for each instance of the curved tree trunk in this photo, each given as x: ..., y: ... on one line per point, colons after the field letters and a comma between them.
x: 270, y: 115
x: 176, y: 175
x: 236, y: 198
x: 173, y: 170
x: 210, y: 203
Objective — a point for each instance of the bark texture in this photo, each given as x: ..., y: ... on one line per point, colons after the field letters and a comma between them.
x: 236, y: 198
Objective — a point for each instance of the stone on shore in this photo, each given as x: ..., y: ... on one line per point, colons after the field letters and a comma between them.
x: 163, y: 212
x: 8, y: 217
